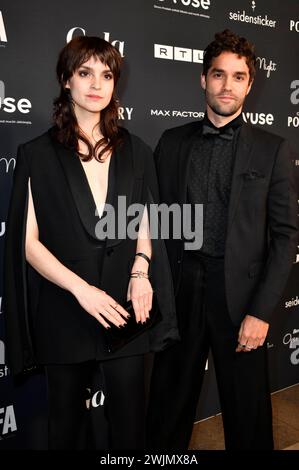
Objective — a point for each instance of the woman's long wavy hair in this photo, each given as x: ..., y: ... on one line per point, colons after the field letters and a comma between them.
x: 67, y: 130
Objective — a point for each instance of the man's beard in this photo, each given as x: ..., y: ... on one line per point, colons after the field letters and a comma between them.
x: 221, y: 110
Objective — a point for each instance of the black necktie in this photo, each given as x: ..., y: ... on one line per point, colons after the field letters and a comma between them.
x: 226, y: 134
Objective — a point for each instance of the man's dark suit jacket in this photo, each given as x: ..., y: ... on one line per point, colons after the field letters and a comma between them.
x: 262, y: 218
x: 45, y: 323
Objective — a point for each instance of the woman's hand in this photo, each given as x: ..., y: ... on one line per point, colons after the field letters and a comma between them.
x: 100, y: 305
x: 140, y: 292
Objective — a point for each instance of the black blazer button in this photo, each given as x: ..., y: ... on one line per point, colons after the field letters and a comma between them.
x: 110, y: 251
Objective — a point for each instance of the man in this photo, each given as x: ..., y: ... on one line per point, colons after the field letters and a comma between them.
x: 227, y: 290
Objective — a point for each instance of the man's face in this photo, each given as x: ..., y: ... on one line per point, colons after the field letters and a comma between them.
x: 226, y: 84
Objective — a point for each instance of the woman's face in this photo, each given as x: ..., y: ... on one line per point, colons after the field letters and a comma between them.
x: 91, y: 87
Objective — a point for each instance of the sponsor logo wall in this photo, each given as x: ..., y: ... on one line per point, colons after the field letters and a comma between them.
x: 162, y: 43
x: 3, y: 36
x: 294, y: 25
x: 293, y: 120
x: 252, y: 15
x: 178, y: 53
x: 267, y: 65
x: 291, y: 340
x: 185, y: 7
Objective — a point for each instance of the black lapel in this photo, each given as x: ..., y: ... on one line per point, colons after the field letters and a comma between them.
x: 184, y: 160
x: 78, y: 184
x: 242, y: 159
x: 124, y: 180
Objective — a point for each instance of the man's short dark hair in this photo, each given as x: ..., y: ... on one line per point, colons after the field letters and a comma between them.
x: 227, y: 41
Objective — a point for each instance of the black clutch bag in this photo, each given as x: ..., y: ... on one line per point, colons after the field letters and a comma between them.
x: 116, y: 337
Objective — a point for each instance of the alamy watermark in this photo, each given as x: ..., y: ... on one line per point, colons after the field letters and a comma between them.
x: 152, y: 221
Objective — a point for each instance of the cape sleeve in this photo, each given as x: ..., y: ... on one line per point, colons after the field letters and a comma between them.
x: 15, y: 302
x: 164, y: 333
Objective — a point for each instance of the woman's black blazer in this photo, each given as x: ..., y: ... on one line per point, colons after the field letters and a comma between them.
x: 45, y: 323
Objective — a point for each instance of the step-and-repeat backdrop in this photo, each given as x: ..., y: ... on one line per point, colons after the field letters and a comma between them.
x: 162, y: 42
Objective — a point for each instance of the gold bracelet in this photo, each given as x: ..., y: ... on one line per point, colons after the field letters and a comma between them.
x: 139, y: 275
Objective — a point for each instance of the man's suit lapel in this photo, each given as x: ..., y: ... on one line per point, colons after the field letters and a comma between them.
x: 242, y: 162
x: 184, y: 160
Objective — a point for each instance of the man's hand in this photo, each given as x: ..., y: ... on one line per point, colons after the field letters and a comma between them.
x: 252, y: 333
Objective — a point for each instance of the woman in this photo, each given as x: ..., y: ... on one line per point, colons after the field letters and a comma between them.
x: 65, y: 281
